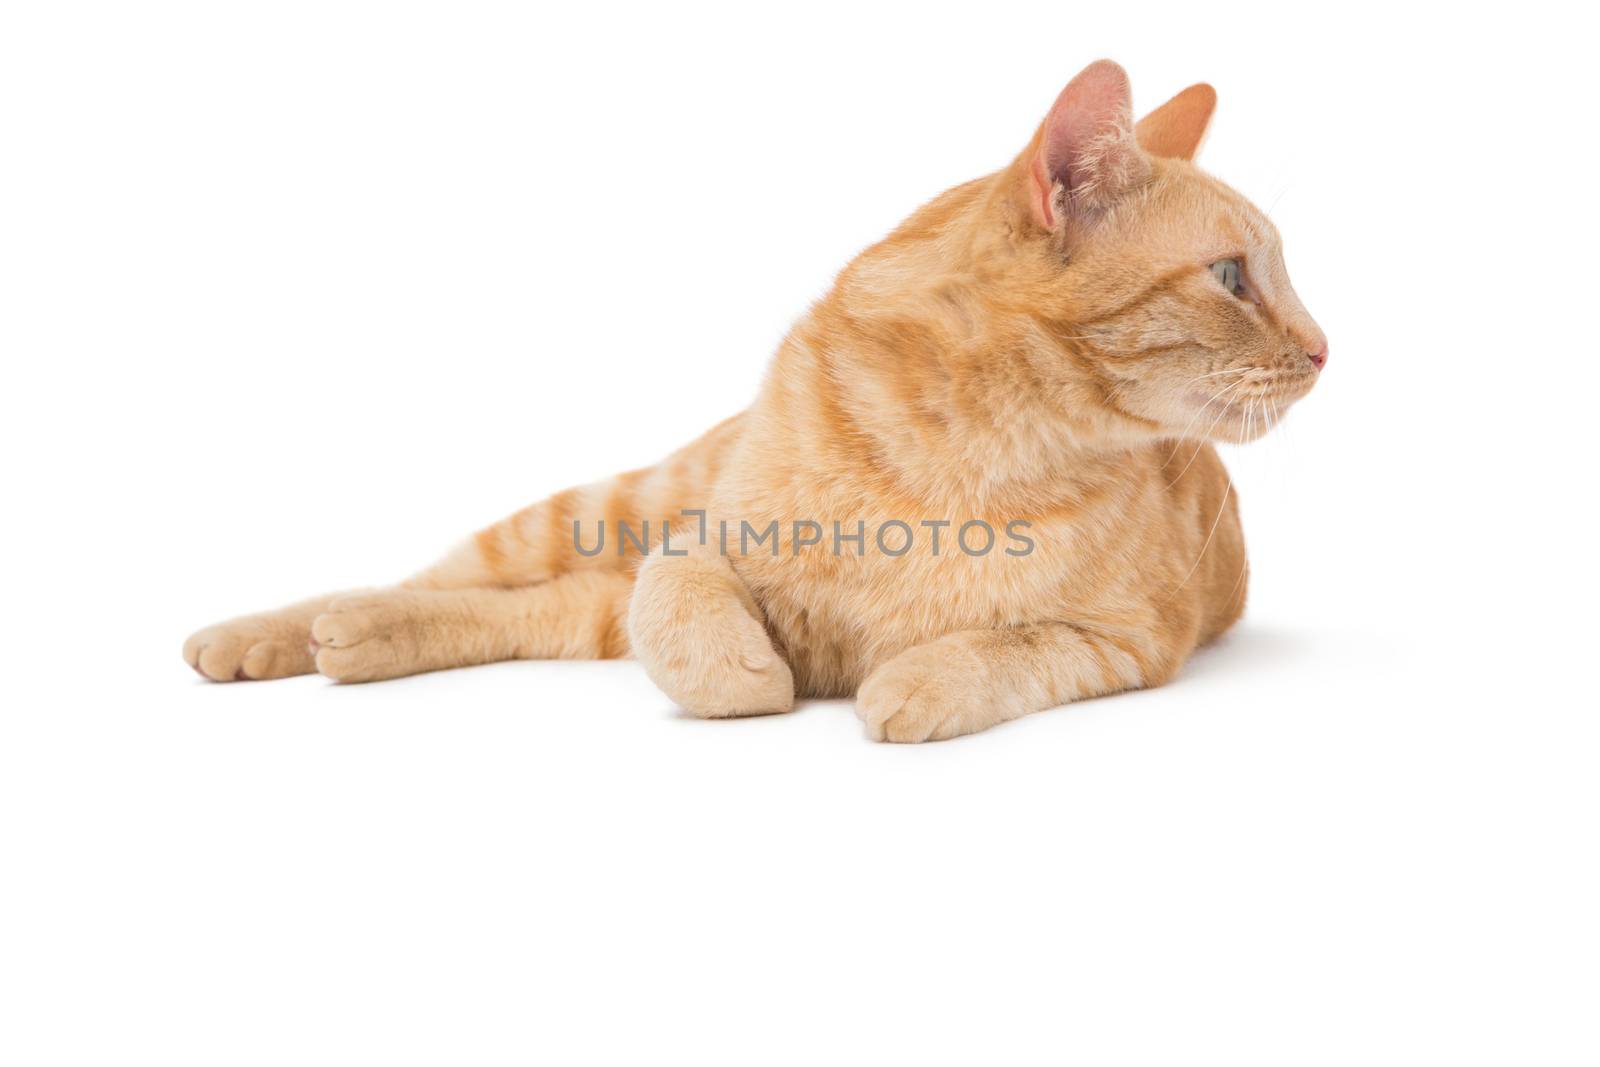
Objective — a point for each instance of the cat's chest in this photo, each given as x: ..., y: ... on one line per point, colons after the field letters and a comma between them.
x: 868, y: 589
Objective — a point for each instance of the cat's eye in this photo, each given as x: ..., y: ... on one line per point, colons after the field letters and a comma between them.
x: 1227, y: 272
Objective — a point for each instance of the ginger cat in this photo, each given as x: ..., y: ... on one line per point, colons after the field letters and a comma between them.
x: 1043, y: 353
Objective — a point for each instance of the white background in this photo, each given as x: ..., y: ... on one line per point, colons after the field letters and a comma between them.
x: 293, y: 295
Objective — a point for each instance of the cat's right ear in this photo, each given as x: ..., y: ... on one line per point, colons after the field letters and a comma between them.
x: 1085, y: 154
x: 1175, y: 129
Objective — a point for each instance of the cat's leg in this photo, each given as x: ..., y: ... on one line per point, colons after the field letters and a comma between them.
x: 275, y: 644
x: 396, y: 632
x: 971, y: 680
x: 699, y: 634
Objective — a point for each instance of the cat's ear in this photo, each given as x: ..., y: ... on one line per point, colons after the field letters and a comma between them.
x: 1175, y: 129
x: 1085, y: 155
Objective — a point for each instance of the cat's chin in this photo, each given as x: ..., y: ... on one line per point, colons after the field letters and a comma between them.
x: 1250, y: 424
x: 1243, y: 435
x: 1238, y: 422
x: 1234, y: 428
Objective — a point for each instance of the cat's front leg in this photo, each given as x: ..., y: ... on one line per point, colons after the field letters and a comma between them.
x: 699, y: 634
x: 973, y: 679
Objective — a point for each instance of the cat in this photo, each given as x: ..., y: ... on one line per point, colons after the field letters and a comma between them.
x: 1045, y: 353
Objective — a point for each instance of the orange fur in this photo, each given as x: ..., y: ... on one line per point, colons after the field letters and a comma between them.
x: 1047, y: 345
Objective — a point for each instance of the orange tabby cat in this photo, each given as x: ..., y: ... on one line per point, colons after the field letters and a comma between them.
x: 1036, y: 360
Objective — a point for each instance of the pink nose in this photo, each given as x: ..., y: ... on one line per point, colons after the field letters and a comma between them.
x: 1320, y: 356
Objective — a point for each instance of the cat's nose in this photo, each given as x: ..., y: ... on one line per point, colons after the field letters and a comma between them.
x: 1313, y: 342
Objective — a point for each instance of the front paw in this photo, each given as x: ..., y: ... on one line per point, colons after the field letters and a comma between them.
x: 701, y: 643
x: 250, y: 648
x: 931, y: 692
x: 374, y: 637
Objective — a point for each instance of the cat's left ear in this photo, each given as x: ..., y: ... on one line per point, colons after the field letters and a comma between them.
x: 1175, y: 129
x: 1085, y: 155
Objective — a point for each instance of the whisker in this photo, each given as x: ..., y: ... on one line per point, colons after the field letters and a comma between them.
x: 1184, y: 433
x: 1217, y: 522
x: 1198, y: 446
x: 1244, y: 566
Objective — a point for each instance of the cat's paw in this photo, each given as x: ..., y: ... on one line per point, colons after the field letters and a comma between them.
x: 722, y: 667
x: 250, y: 648
x: 931, y: 692
x: 701, y: 645
x: 373, y: 637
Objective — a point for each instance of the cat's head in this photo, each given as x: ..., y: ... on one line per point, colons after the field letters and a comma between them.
x: 1159, y: 281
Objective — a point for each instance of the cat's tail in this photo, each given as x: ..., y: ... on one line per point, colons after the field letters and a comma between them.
x: 607, y: 526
